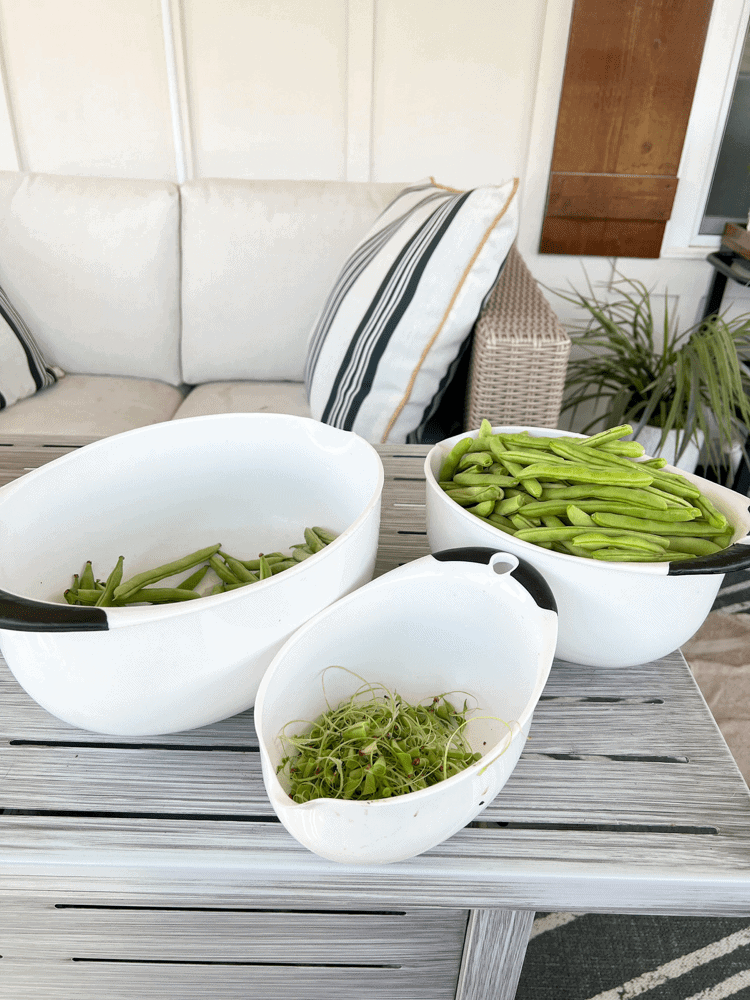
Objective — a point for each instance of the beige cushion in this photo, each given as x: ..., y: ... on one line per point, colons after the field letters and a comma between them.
x: 258, y: 260
x: 92, y: 264
x: 246, y: 397
x: 83, y: 406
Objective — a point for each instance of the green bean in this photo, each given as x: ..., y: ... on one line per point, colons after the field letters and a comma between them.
x: 711, y: 514
x: 626, y: 449
x: 467, y: 496
x: 696, y: 546
x: 597, y: 540
x: 483, y: 509
x: 270, y: 557
x: 76, y: 584
x: 221, y: 569
x: 264, y: 569
x: 313, y: 541
x: 483, y: 459
x: 655, y: 527
x: 106, y: 599
x: 160, y: 595
x: 279, y: 567
x: 87, y: 577
x: 192, y: 581
x: 654, y: 463
x: 570, y: 533
x: 454, y: 456
x: 161, y: 572
x: 472, y: 478
x: 242, y: 574
x: 609, y: 435
x: 671, y: 482
x: 88, y: 595
x: 530, y: 457
x: 586, y: 474
x: 633, y: 555
x: 301, y: 552
x: 622, y: 493
x: 509, y: 505
x: 576, y: 515
x: 324, y: 535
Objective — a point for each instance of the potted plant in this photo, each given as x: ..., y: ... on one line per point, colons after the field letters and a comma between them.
x: 692, y: 385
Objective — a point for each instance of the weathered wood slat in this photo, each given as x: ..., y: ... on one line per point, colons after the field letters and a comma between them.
x: 82, y: 980
x: 416, y: 938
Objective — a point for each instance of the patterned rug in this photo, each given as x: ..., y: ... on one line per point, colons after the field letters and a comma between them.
x: 598, y: 957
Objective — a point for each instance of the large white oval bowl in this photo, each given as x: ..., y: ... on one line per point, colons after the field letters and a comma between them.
x: 252, y: 482
x: 610, y: 614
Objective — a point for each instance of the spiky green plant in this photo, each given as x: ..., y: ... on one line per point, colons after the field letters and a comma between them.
x: 690, y: 381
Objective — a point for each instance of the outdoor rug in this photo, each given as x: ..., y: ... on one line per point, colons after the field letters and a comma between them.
x: 606, y: 957
x: 599, y: 957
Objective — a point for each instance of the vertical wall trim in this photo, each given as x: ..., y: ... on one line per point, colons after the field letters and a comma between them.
x: 7, y: 107
x: 360, y: 64
x: 174, y: 90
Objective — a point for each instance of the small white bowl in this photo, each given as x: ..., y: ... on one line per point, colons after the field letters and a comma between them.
x: 474, y: 620
x: 250, y: 481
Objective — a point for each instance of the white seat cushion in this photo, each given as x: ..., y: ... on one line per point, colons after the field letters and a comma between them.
x: 84, y: 406
x: 258, y: 260
x: 246, y: 397
x: 93, y: 266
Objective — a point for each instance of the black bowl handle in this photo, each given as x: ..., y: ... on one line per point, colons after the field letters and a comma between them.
x: 20, y: 614
x: 729, y: 560
x: 527, y: 575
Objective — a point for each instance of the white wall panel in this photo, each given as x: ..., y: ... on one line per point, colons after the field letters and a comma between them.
x: 454, y: 88
x: 267, y: 87
x: 87, y: 86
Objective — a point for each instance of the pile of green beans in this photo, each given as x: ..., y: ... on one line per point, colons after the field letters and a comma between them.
x: 590, y: 497
x: 232, y: 573
x: 377, y: 749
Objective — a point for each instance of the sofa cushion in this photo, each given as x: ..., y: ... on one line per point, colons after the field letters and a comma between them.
x: 258, y: 259
x: 23, y: 369
x: 401, y: 311
x: 90, y: 406
x: 92, y: 264
x: 246, y: 397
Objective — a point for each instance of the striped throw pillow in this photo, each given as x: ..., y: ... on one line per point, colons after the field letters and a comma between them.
x: 400, y: 314
x: 23, y: 370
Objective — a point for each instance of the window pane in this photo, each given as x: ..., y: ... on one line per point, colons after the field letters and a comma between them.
x: 729, y: 197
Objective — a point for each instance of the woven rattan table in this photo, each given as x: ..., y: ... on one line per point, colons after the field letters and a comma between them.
x: 141, y: 869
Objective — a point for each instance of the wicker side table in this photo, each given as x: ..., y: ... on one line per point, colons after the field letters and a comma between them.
x: 520, y: 355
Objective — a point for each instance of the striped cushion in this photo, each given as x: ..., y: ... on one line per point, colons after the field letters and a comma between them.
x: 394, y: 326
x: 23, y: 370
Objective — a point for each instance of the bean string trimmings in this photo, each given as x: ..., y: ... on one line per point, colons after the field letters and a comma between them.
x: 230, y: 572
x: 596, y: 497
x: 376, y: 745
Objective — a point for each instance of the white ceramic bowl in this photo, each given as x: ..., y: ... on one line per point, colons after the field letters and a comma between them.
x: 252, y: 482
x: 611, y: 614
x: 475, y: 620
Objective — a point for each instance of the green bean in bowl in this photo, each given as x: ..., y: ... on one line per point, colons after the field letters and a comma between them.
x: 597, y: 497
x: 212, y: 570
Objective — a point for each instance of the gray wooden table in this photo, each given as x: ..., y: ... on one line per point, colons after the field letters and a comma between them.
x: 156, y: 868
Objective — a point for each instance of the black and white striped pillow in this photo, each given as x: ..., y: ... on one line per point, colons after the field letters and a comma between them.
x: 23, y: 370
x: 401, y: 312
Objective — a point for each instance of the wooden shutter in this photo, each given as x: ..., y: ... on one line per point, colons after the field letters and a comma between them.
x: 628, y: 87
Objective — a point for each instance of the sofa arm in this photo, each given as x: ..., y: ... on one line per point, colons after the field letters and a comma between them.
x: 519, y: 355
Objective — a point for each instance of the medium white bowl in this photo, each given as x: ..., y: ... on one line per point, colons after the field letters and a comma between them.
x: 611, y: 614
x: 252, y: 482
x: 474, y: 620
